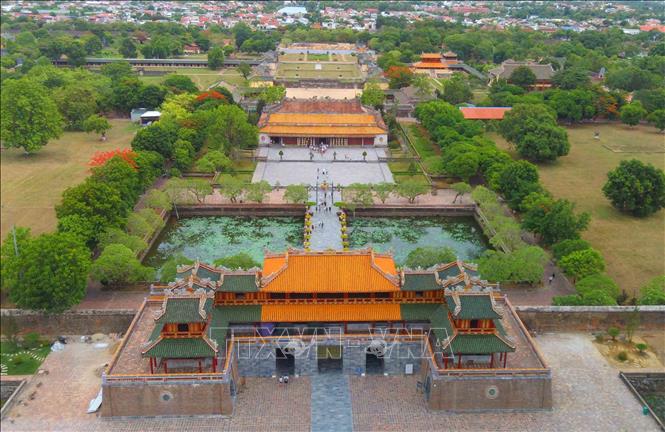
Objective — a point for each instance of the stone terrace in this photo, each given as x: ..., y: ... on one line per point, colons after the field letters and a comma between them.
x: 130, y: 361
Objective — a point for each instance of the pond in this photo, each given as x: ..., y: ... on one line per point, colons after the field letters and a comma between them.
x: 209, y: 238
x: 401, y: 235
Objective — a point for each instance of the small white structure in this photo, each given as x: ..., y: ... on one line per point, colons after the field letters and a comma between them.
x: 149, y: 117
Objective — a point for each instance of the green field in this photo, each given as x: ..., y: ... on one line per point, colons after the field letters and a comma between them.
x: 421, y: 140
x: 634, y: 248
x: 327, y: 71
x: 19, y: 361
x: 203, y: 78
x: 31, y: 186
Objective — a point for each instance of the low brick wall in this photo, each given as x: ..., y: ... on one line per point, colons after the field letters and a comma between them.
x: 249, y: 209
x: 588, y: 318
x: 82, y: 322
x: 414, y: 210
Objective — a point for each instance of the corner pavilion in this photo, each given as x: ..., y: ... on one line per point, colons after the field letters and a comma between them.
x: 358, y: 293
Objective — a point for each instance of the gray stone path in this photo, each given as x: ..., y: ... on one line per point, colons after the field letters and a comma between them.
x: 330, y: 235
x: 331, y: 403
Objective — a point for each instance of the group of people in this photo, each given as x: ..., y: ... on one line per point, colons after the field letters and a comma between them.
x: 320, y: 148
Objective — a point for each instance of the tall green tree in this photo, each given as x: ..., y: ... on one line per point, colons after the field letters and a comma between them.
x: 296, y: 194
x: 517, y: 180
x: 426, y: 257
x: 118, y: 265
x: 653, y: 293
x: 632, y: 113
x: 522, y: 76
x: 411, y: 189
x: 658, y: 119
x: 523, y: 265
x: 456, y: 90
x: 127, y: 48
x: 98, y: 124
x: 373, y: 96
x: 571, y: 78
x: 49, y: 273
x: 636, y: 188
x: 258, y: 191
x: 215, y: 58
x: 238, y: 261
x: 553, y: 220
x: 177, y: 83
x: 28, y: 116
x: 533, y: 130
x: 582, y: 263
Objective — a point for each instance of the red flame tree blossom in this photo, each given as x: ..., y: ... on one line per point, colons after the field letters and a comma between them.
x: 101, y: 157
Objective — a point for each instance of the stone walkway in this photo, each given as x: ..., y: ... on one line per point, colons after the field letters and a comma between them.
x: 328, y: 236
x: 331, y: 403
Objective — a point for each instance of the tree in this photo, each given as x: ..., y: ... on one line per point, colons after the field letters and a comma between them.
x: 168, y: 271
x: 632, y: 113
x: 180, y: 84
x: 183, y: 154
x: 117, y: 71
x: 636, y: 188
x: 522, y: 76
x: 566, y: 247
x: 151, y: 95
x: 258, y: 191
x: 630, y: 78
x: 582, y: 263
x: 653, y: 293
x: 92, y: 44
x: 76, y: 53
x: 241, y: 32
x: 553, y: 220
x: 49, y: 273
x: 373, y: 96
x: 215, y: 58
x: 411, y: 189
x: 456, y: 90
x: 598, y: 282
x: 200, y: 188
x: 238, y: 261
x: 296, y: 194
x: 127, y: 48
x: 118, y: 265
x: 272, y: 94
x: 523, y: 265
x: 533, y: 130
x: 383, y: 191
x: 422, y: 84
x: 95, y: 202
x: 98, y: 124
x: 426, y: 257
x: 214, y: 161
x: 15, y: 242
x: 399, y: 76
x: 517, y: 180
x: 28, y: 116
x: 245, y: 69
x: 158, y: 137
x: 460, y: 163
x: 122, y: 176
x: 573, y: 105
x: 232, y: 187
x: 76, y: 102
x: 461, y: 188
x: 118, y: 236
x: 658, y: 119
x: 571, y: 78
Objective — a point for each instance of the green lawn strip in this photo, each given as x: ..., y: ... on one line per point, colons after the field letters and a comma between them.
x: 19, y: 361
x: 421, y: 141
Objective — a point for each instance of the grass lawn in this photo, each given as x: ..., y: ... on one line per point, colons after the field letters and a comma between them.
x: 203, y: 78
x: 31, y: 186
x: 244, y: 165
x: 17, y: 361
x: 421, y: 140
x: 233, y: 76
x: 634, y: 248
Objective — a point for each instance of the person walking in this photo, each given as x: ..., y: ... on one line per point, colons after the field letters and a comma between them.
x: 550, y: 279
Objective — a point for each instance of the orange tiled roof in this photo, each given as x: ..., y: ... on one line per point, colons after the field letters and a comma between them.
x: 329, y: 272
x: 308, y: 130
x: 337, y: 312
x: 484, y: 113
x: 322, y: 119
x: 429, y: 65
x: 430, y: 55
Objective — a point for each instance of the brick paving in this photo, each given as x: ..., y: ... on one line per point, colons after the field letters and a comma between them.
x: 587, y: 394
x: 331, y: 403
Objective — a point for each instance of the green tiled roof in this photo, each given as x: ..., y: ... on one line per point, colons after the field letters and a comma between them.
x: 436, y: 314
x: 222, y: 316
x: 239, y: 283
x: 453, y: 271
x: 417, y: 311
x: 420, y: 282
x: 184, y: 310
x: 479, y: 344
x: 474, y: 307
x: 181, y: 348
x: 440, y: 324
x: 204, y: 273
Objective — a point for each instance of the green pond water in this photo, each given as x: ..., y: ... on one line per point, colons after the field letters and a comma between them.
x: 401, y: 235
x: 209, y: 238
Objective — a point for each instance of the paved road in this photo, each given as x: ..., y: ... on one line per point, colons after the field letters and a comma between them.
x: 328, y: 235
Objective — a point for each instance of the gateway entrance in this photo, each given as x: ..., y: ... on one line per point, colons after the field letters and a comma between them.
x: 330, y: 358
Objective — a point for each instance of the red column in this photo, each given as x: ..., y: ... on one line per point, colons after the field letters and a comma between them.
x: 214, y: 364
x: 491, y: 360
x: 459, y: 362
x: 166, y: 369
x: 200, y: 370
x: 505, y: 357
x: 151, y: 367
x: 445, y: 362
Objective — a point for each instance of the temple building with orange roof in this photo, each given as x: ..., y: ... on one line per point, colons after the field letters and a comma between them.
x: 305, y: 313
x: 436, y: 65
x: 329, y: 122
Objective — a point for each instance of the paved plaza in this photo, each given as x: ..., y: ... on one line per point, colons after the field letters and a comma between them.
x: 345, y: 165
x: 587, y: 394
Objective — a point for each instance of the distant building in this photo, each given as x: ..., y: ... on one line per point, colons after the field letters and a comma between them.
x: 437, y: 65
x: 543, y: 72
x: 191, y: 49
x: 331, y: 122
x: 292, y: 11
x: 149, y: 117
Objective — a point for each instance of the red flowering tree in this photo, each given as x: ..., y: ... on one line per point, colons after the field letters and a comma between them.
x: 101, y: 157
x: 400, y: 76
x: 210, y: 97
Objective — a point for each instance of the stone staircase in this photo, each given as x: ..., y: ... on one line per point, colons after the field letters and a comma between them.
x: 331, y: 403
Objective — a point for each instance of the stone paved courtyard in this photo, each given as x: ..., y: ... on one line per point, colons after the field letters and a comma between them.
x: 587, y: 394
x: 297, y: 168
